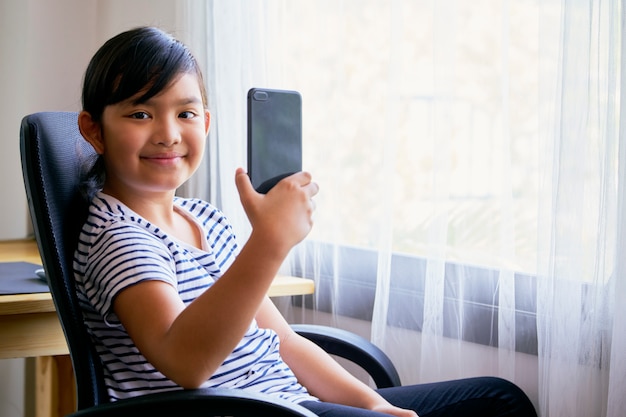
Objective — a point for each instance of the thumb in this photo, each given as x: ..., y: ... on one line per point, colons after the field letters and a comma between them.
x: 244, y: 185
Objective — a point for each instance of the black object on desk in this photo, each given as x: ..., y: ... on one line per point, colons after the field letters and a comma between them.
x: 21, y: 278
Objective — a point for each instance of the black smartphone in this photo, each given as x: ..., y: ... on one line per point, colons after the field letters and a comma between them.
x: 274, y: 136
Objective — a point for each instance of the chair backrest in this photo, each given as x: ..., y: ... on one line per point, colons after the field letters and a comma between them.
x: 52, y: 151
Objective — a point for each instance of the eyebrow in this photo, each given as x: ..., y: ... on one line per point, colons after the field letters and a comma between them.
x: 189, y: 100
x: 180, y: 102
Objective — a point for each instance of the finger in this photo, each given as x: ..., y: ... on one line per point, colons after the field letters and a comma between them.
x: 314, y: 188
x: 244, y: 186
x: 302, y: 177
x: 306, y: 180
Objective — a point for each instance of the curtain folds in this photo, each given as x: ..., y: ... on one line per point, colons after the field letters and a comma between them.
x: 227, y: 39
x: 471, y: 158
x: 578, y: 285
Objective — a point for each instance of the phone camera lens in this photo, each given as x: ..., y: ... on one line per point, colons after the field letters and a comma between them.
x: 260, y: 96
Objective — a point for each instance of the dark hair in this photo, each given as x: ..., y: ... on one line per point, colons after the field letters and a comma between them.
x: 142, y: 60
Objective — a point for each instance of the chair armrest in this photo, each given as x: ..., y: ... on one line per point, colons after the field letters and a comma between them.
x: 200, y: 402
x: 356, y: 349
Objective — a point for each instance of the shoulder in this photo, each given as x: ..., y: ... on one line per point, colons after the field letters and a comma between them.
x: 116, y: 249
x: 114, y: 232
x: 198, y: 208
x: 110, y: 221
x: 209, y: 216
x: 218, y: 232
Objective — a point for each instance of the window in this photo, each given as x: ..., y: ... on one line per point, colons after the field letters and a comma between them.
x: 421, y: 120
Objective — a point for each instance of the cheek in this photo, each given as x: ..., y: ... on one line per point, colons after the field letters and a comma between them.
x: 116, y: 141
x: 126, y: 142
x: 198, y: 145
x: 197, y: 156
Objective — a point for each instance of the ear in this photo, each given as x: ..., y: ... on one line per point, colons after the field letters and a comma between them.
x: 207, y: 122
x: 91, y: 131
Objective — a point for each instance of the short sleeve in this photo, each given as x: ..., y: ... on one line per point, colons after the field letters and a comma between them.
x: 122, y: 255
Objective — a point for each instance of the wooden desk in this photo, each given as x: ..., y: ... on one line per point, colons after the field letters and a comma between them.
x: 29, y: 327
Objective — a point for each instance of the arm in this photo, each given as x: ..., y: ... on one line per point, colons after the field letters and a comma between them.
x: 319, y: 372
x: 209, y: 328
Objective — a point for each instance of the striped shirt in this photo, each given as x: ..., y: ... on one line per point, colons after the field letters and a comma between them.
x: 118, y: 248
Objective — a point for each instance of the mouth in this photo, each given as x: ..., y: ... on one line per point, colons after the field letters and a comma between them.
x: 164, y: 158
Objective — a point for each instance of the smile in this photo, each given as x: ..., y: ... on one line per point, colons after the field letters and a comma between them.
x: 164, y: 159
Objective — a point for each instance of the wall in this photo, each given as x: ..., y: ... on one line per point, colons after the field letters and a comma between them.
x: 44, y: 48
x: 41, y: 58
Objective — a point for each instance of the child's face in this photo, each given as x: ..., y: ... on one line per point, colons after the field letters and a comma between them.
x: 154, y: 146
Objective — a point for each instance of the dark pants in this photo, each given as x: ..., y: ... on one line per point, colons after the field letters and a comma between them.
x: 484, y: 397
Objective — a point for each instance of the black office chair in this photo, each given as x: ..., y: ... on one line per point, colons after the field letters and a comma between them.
x: 52, y: 151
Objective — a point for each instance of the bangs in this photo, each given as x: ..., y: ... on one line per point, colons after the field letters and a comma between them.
x: 139, y: 63
x: 150, y: 69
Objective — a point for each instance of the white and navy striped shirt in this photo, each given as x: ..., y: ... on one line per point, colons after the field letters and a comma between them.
x: 118, y: 248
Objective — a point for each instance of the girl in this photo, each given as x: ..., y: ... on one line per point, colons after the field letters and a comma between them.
x: 169, y: 298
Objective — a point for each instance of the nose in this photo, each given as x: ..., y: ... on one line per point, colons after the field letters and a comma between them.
x: 166, y: 132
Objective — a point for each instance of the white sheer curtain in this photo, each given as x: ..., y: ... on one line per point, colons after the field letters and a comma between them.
x: 580, y: 263
x: 227, y: 39
x: 471, y: 163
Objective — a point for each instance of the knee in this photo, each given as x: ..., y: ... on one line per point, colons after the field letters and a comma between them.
x: 509, y: 394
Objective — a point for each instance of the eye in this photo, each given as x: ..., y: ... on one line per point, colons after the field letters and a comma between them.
x: 187, y: 115
x: 139, y: 115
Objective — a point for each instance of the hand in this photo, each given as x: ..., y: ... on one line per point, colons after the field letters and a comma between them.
x: 283, y: 216
x: 394, y: 411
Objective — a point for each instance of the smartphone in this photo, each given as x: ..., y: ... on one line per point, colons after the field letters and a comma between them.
x: 274, y: 136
